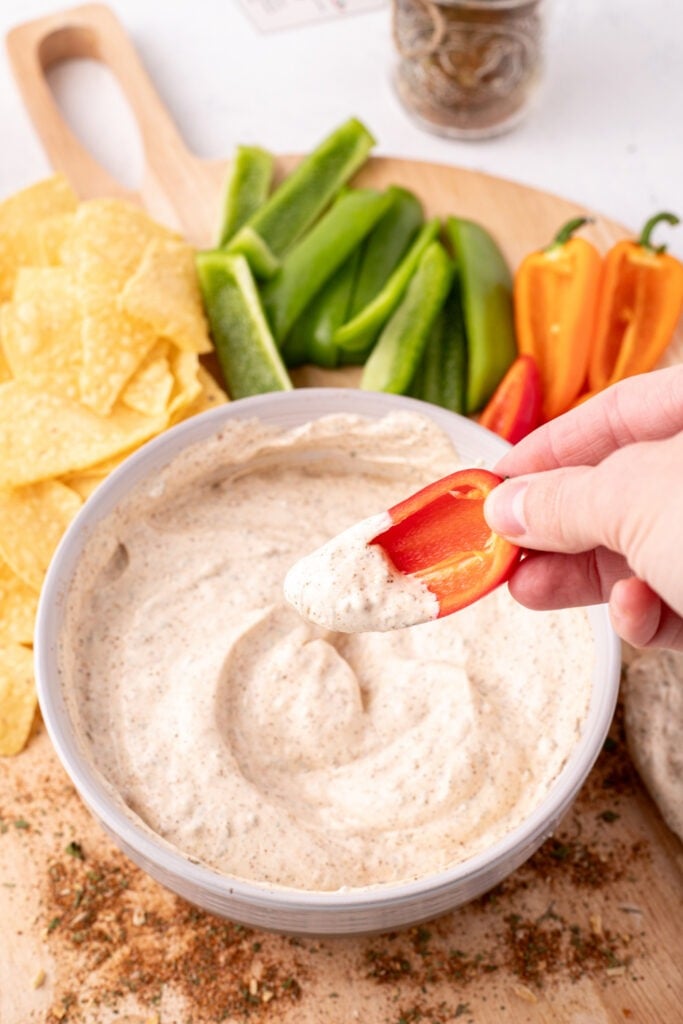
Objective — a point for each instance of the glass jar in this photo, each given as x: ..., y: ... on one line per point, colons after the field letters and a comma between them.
x: 467, y: 68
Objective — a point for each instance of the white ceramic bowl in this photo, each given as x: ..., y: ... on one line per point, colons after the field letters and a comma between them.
x: 275, y: 908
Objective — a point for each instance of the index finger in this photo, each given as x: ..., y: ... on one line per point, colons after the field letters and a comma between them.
x: 647, y: 407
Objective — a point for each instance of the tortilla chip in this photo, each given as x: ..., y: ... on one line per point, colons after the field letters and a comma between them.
x: 105, y: 246
x: 85, y: 379
x: 51, y: 236
x: 18, y: 605
x: 32, y: 521
x: 19, y: 216
x: 116, y: 231
x: 112, y: 343
x: 85, y: 483
x: 164, y: 292
x: 43, y: 199
x: 44, y: 436
x: 149, y: 389
x: 5, y: 373
x: 209, y: 397
x: 102, y: 468
x: 41, y: 334
x: 185, y: 369
x: 17, y: 698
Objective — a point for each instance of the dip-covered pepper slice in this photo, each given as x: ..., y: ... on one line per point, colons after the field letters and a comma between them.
x: 427, y: 557
x: 439, y: 536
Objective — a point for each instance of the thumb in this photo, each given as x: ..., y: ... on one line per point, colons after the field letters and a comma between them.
x: 630, y: 503
x: 557, y: 510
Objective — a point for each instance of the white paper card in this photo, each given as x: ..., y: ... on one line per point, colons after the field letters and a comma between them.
x: 273, y: 15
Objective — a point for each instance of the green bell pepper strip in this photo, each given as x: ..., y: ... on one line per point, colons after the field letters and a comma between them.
x: 416, y: 386
x: 358, y: 333
x: 248, y: 356
x: 260, y: 258
x: 486, y: 289
x: 295, y: 204
x: 294, y: 350
x: 313, y: 331
x: 381, y: 253
x: 441, y: 377
x: 385, y: 246
x: 397, y: 354
x: 311, y: 263
x: 246, y: 189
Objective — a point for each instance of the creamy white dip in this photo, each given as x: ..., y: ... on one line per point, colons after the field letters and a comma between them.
x: 350, y: 585
x: 270, y: 748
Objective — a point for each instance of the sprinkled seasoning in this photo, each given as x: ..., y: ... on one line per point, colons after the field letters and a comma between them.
x: 534, y: 935
x: 209, y: 961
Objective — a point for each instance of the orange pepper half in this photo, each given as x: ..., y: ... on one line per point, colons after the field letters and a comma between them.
x: 440, y: 536
x: 641, y: 295
x: 555, y: 295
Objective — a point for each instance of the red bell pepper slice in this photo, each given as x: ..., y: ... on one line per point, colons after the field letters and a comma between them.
x: 514, y: 409
x: 440, y: 536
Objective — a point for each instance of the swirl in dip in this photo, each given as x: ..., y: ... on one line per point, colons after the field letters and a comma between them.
x: 274, y: 750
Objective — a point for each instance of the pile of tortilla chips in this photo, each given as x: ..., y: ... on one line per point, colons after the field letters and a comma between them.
x: 101, y: 328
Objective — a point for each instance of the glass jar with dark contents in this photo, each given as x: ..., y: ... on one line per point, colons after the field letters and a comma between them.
x: 468, y: 68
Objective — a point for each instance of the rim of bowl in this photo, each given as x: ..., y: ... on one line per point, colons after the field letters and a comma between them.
x: 91, y: 785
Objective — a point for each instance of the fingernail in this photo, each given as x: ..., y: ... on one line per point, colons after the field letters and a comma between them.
x: 504, y: 508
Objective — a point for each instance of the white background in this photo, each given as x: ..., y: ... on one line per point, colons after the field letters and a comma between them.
x: 606, y: 131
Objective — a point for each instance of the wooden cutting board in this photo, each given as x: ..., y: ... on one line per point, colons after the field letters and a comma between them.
x: 589, y: 931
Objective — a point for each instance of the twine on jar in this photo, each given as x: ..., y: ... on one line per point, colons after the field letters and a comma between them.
x: 467, y: 67
x: 432, y: 44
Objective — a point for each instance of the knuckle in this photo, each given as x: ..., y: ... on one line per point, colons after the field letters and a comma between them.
x: 635, y: 498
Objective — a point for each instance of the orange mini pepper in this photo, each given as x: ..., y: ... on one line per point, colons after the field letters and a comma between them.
x: 640, y: 300
x: 555, y: 293
x: 514, y: 409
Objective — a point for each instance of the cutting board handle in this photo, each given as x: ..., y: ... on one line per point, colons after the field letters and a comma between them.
x: 173, y: 178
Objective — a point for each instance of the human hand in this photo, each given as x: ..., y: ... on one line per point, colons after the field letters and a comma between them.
x: 597, y: 497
